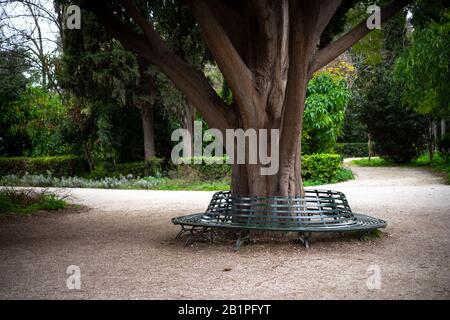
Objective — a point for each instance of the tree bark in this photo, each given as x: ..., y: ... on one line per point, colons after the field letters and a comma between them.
x: 187, y: 120
x: 148, y: 130
x: 145, y: 96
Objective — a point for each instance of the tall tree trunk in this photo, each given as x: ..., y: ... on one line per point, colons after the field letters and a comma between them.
x: 443, y: 129
x: 148, y: 130
x: 146, y: 97
x: 187, y: 120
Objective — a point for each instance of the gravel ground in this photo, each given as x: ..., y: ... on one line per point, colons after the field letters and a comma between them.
x: 123, y: 242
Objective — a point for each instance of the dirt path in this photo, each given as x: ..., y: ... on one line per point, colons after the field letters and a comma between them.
x: 125, y: 248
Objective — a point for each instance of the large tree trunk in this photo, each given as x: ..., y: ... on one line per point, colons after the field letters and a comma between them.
x: 280, y: 61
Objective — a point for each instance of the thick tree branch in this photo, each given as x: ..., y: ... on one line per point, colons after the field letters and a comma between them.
x: 327, y: 11
x: 232, y: 20
x: 333, y: 50
x: 151, y: 47
x: 233, y: 68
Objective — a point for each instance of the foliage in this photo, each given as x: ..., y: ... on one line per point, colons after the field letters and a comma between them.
x: 372, y: 234
x: 327, y: 98
x: 372, y: 162
x: 44, y: 122
x: 352, y: 149
x: 67, y: 165
x: 152, y: 167
x: 399, y: 134
x: 28, y: 201
x: 12, y: 85
x: 369, y: 48
x: 354, y: 129
x: 320, y: 167
x: 210, y: 169
x: 98, y: 76
x: 121, y: 182
x: 340, y: 67
x: 444, y: 146
x: 439, y: 163
x: 147, y: 183
x: 423, y: 70
x: 343, y: 174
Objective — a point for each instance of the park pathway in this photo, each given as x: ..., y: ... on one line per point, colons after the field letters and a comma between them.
x: 123, y: 243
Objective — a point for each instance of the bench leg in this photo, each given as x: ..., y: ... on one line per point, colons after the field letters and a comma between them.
x: 195, y: 232
x: 304, y: 238
x: 182, y: 231
x: 240, y: 240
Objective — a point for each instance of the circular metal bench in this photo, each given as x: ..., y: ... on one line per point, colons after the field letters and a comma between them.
x: 317, y: 211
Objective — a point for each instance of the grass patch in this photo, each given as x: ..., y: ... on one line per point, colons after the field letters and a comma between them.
x: 372, y: 234
x: 179, y: 185
x: 438, y: 164
x: 343, y: 174
x: 27, y: 201
x: 373, y: 162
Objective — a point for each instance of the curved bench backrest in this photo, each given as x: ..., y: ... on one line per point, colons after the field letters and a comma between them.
x: 316, y: 207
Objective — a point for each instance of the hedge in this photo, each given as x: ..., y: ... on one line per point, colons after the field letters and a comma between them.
x: 353, y: 149
x: 208, y: 170
x: 321, y: 167
x: 68, y: 165
x: 151, y: 167
x: 317, y: 167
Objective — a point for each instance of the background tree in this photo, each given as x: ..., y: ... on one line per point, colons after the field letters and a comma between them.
x: 35, y: 27
x: 326, y: 101
x: 97, y: 75
x: 423, y: 69
x: 12, y: 85
x: 398, y: 132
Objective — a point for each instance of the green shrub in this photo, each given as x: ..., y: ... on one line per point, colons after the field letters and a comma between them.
x: 28, y: 201
x: 317, y: 167
x: 373, y: 162
x: 321, y: 166
x: 152, y: 167
x: 209, y: 169
x: 68, y: 165
x: 352, y: 149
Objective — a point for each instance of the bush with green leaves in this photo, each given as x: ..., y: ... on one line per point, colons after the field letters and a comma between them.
x: 317, y: 167
x: 152, y: 167
x: 320, y: 167
x: 44, y: 126
x: 327, y: 97
x: 28, y: 201
x: 209, y: 168
x: 68, y: 165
